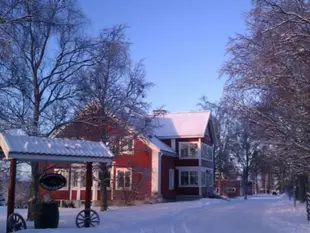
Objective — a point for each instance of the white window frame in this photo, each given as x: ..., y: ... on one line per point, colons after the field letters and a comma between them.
x: 59, y: 171
x: 116, y: 178
x: 208, y: 147
x: 171, y: 179
x: 189, y: 143
x: 78, y: 178
x: 188, y: 171
x: 126, y: 151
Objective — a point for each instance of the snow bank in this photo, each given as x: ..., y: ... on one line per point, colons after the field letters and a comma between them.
x: 282, y: 214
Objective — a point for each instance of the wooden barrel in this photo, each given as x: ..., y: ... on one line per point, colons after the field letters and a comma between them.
x: 46, y: 215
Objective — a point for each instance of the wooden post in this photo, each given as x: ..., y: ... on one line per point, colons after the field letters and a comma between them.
x: 89, y: 179
x: 11, y: 194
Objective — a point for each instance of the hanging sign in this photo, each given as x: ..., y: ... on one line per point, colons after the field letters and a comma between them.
x: 52, y: 181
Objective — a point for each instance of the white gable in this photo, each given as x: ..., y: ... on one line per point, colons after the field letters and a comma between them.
x: 162, y: 146
x: 181, y: 125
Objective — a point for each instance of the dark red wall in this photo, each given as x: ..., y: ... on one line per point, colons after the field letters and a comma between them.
x: 187, y: 191
x: 228, y: 183
x: 167, y: 141
x: 74, y: 194
x: 141, y: 162
x: 59, y: 195
x: 187, y: 162
x: 167, y: 162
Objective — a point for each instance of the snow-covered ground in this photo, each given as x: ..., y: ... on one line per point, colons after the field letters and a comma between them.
x: 291, y: 220
x: 259, y: 214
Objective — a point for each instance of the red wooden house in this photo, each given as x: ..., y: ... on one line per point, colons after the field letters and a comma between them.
x: 177, y: 160
x: 229, y: 188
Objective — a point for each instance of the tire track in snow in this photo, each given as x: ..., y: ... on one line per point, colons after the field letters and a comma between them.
x: 184, y: 226
x: 173, y: 229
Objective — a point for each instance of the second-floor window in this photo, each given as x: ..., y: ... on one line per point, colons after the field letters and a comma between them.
x: 188, y: 149
x: 123, y: 145
x: 126, y: 144
x: 206, y: 152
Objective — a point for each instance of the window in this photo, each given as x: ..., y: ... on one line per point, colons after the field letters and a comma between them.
x: 188, y: 150
x: 206, y: 151
x: 74, y: 178
x: 64, y: 173
x: 83, y: 178
x: 209, y: 178
x: 171, y: 179
x: 126, y: 144
x: 123, y: 177
x: 203, y: 179
x: 189, y: 178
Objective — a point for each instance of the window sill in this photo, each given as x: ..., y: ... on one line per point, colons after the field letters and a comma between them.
x: 126, y: 153
x: 188, y: 158
x: 209, y: 160
x: 188, y: 186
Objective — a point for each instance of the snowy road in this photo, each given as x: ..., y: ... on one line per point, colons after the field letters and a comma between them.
x: 260, y: 214
x: 228, y: 217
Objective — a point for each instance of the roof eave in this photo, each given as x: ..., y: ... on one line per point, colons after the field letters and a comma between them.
x: 169, y: 152
x: 180, y: 136
x: 58, y: 158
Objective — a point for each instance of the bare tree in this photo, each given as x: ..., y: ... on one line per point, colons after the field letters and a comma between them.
x: 224, y: 166
x: 114, y: 89
x: 268, y: 78
x: 10, y: 13
x: 37, y: 80
x: 135, y: 181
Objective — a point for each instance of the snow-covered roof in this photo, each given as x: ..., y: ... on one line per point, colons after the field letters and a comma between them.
x: 53, y: 149
x: 162, y: 146
x: 182, y: 124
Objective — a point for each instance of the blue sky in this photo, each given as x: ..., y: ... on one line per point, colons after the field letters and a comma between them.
x: 182, y: 41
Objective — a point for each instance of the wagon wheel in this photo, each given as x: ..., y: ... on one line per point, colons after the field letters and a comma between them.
x: 16, y: 223
x: 87, y: 218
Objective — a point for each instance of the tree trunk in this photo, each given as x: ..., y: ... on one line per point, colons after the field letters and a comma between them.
x: 34, y: 190
x: 256, y: 184
x: 103, y: 167
x: 103, y: 188
x: 301, y: 188
x: 245, y: 187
